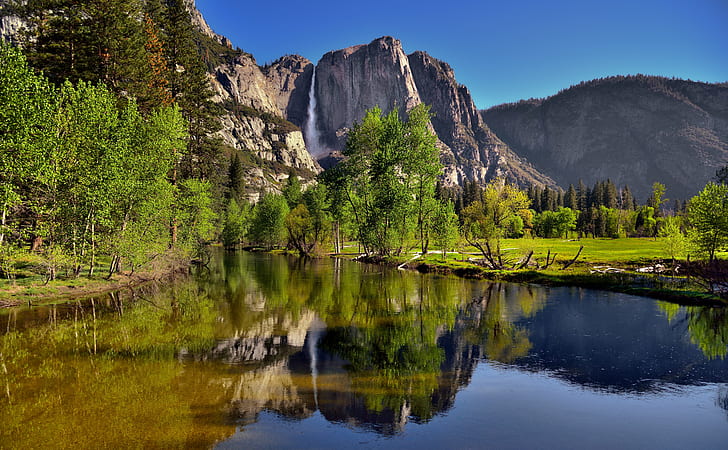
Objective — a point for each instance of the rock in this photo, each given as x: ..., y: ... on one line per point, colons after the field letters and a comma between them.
x: 242, y: 83
x: 290, y: 78
x: 352, y: 80
x: 633, y: 130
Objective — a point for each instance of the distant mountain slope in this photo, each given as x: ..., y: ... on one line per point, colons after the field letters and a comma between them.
x: 634, y: 130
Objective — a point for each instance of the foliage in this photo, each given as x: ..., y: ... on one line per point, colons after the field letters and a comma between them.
x: 708, y: 214
x: 309, y: 222
x: 268, y: 222
x: 485, y: 222
x: 673, y: 239
x: 83, y: 171
x: 388, y: 179
x: 552, y: 224
x: 235, y: 227
x: 195, y: 214
x: 444, y: 228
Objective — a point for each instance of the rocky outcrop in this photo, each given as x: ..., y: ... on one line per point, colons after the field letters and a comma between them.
x: 290, y: 78
x: 242, y: 84
x: 476, y: 152
x: 9, y: 25
x: 199, y: 22
x: 352, y: 80
x: 254, y: 123
x: 633, y: 130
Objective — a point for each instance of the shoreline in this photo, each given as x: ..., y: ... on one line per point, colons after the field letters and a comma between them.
x: 624, y: 282
x: 62, y: 291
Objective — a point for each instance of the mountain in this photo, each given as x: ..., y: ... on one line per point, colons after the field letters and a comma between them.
x: 633, y: 130
x: 351, y: 80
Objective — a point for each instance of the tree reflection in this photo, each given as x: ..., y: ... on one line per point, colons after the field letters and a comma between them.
x: 708, y: 327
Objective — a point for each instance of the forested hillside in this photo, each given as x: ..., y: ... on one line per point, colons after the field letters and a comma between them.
x: 633, y: 130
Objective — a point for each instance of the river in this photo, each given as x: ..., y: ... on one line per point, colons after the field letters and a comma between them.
x: 270, y: 351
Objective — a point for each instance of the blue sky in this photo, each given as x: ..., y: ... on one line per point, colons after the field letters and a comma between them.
x: 502, y: 50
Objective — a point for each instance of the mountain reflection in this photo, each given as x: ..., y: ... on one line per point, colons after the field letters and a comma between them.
x: 399, y: 346
x: 364, y: 346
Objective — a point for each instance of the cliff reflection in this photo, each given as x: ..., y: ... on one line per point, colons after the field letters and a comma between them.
x: 395, y: 346
x: 360, y: 345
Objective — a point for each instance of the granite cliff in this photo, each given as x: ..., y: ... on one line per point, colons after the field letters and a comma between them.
x: 634, y: 130
x: 354, y: 79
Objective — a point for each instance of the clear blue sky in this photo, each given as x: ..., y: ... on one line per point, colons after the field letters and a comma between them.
x: 502, y: 50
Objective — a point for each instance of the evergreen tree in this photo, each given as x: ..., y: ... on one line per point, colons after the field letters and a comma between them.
x: 156, y: 89
x: 236, y: 180
x: 190, y: 88
x: 93, y: 40
x: 571, y: 200
x: 582, y: 196
x: 610, y: 195
x: 627, y: 202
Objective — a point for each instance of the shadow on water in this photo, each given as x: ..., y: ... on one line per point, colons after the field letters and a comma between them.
x: 363, y: 346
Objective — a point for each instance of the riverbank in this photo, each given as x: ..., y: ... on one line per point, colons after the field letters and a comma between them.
x: 638, y: 275
x: 32, y: 289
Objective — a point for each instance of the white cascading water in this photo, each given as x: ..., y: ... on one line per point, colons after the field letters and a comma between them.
x: 312, y: 136
x: 314, y: 334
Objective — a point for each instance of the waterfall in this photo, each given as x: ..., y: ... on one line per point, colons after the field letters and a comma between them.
x: 312, y: 137
x: 314, y: 334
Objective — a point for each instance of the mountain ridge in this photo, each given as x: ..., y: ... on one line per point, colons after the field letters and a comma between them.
x: 634, y: 130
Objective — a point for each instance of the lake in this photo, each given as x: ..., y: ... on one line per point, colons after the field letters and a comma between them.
x: 270, y: 351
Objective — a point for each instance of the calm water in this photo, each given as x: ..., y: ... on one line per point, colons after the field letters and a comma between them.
x: 264, y: 351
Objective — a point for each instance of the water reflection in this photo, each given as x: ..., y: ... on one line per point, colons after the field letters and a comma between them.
x: 363, y: 346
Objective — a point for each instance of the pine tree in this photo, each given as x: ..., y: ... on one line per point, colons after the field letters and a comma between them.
x: 582, y: 196
x: 236, y: 180
x: 571, y: 200
x: 190, y: 89
x: 93, y: 40
x: 610, y: 195
x: 628, y: 202
x: 156, y: 90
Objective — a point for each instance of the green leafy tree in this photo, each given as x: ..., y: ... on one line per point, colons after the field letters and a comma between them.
x: 196, y: 215
x: 672, y: 237
x: 308, y: 224
x: 484, y: 222
x: 551, y: 224
x: 708, y: 214
x: 268, y: 226
x: 656, y: 199
x: 292, y: 191
x: 444, y: 227
x: 26, y: 132
x: 388, y: 179
x: 236, y: 224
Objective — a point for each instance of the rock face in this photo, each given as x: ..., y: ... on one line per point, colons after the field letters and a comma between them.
x: 633, y: 130
x: 254, y: 121
x: 352, y: 80
x: 290, y: 78
x: 476, y: 152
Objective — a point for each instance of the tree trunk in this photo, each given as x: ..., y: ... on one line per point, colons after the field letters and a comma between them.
x: 92, y: 263
x: 2, y: 223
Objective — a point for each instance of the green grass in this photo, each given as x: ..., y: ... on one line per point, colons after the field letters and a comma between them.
x: 625, y: 253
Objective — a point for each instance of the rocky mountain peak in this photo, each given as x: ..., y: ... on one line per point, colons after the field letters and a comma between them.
x: 290, y: 79
x: 351, y: 80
